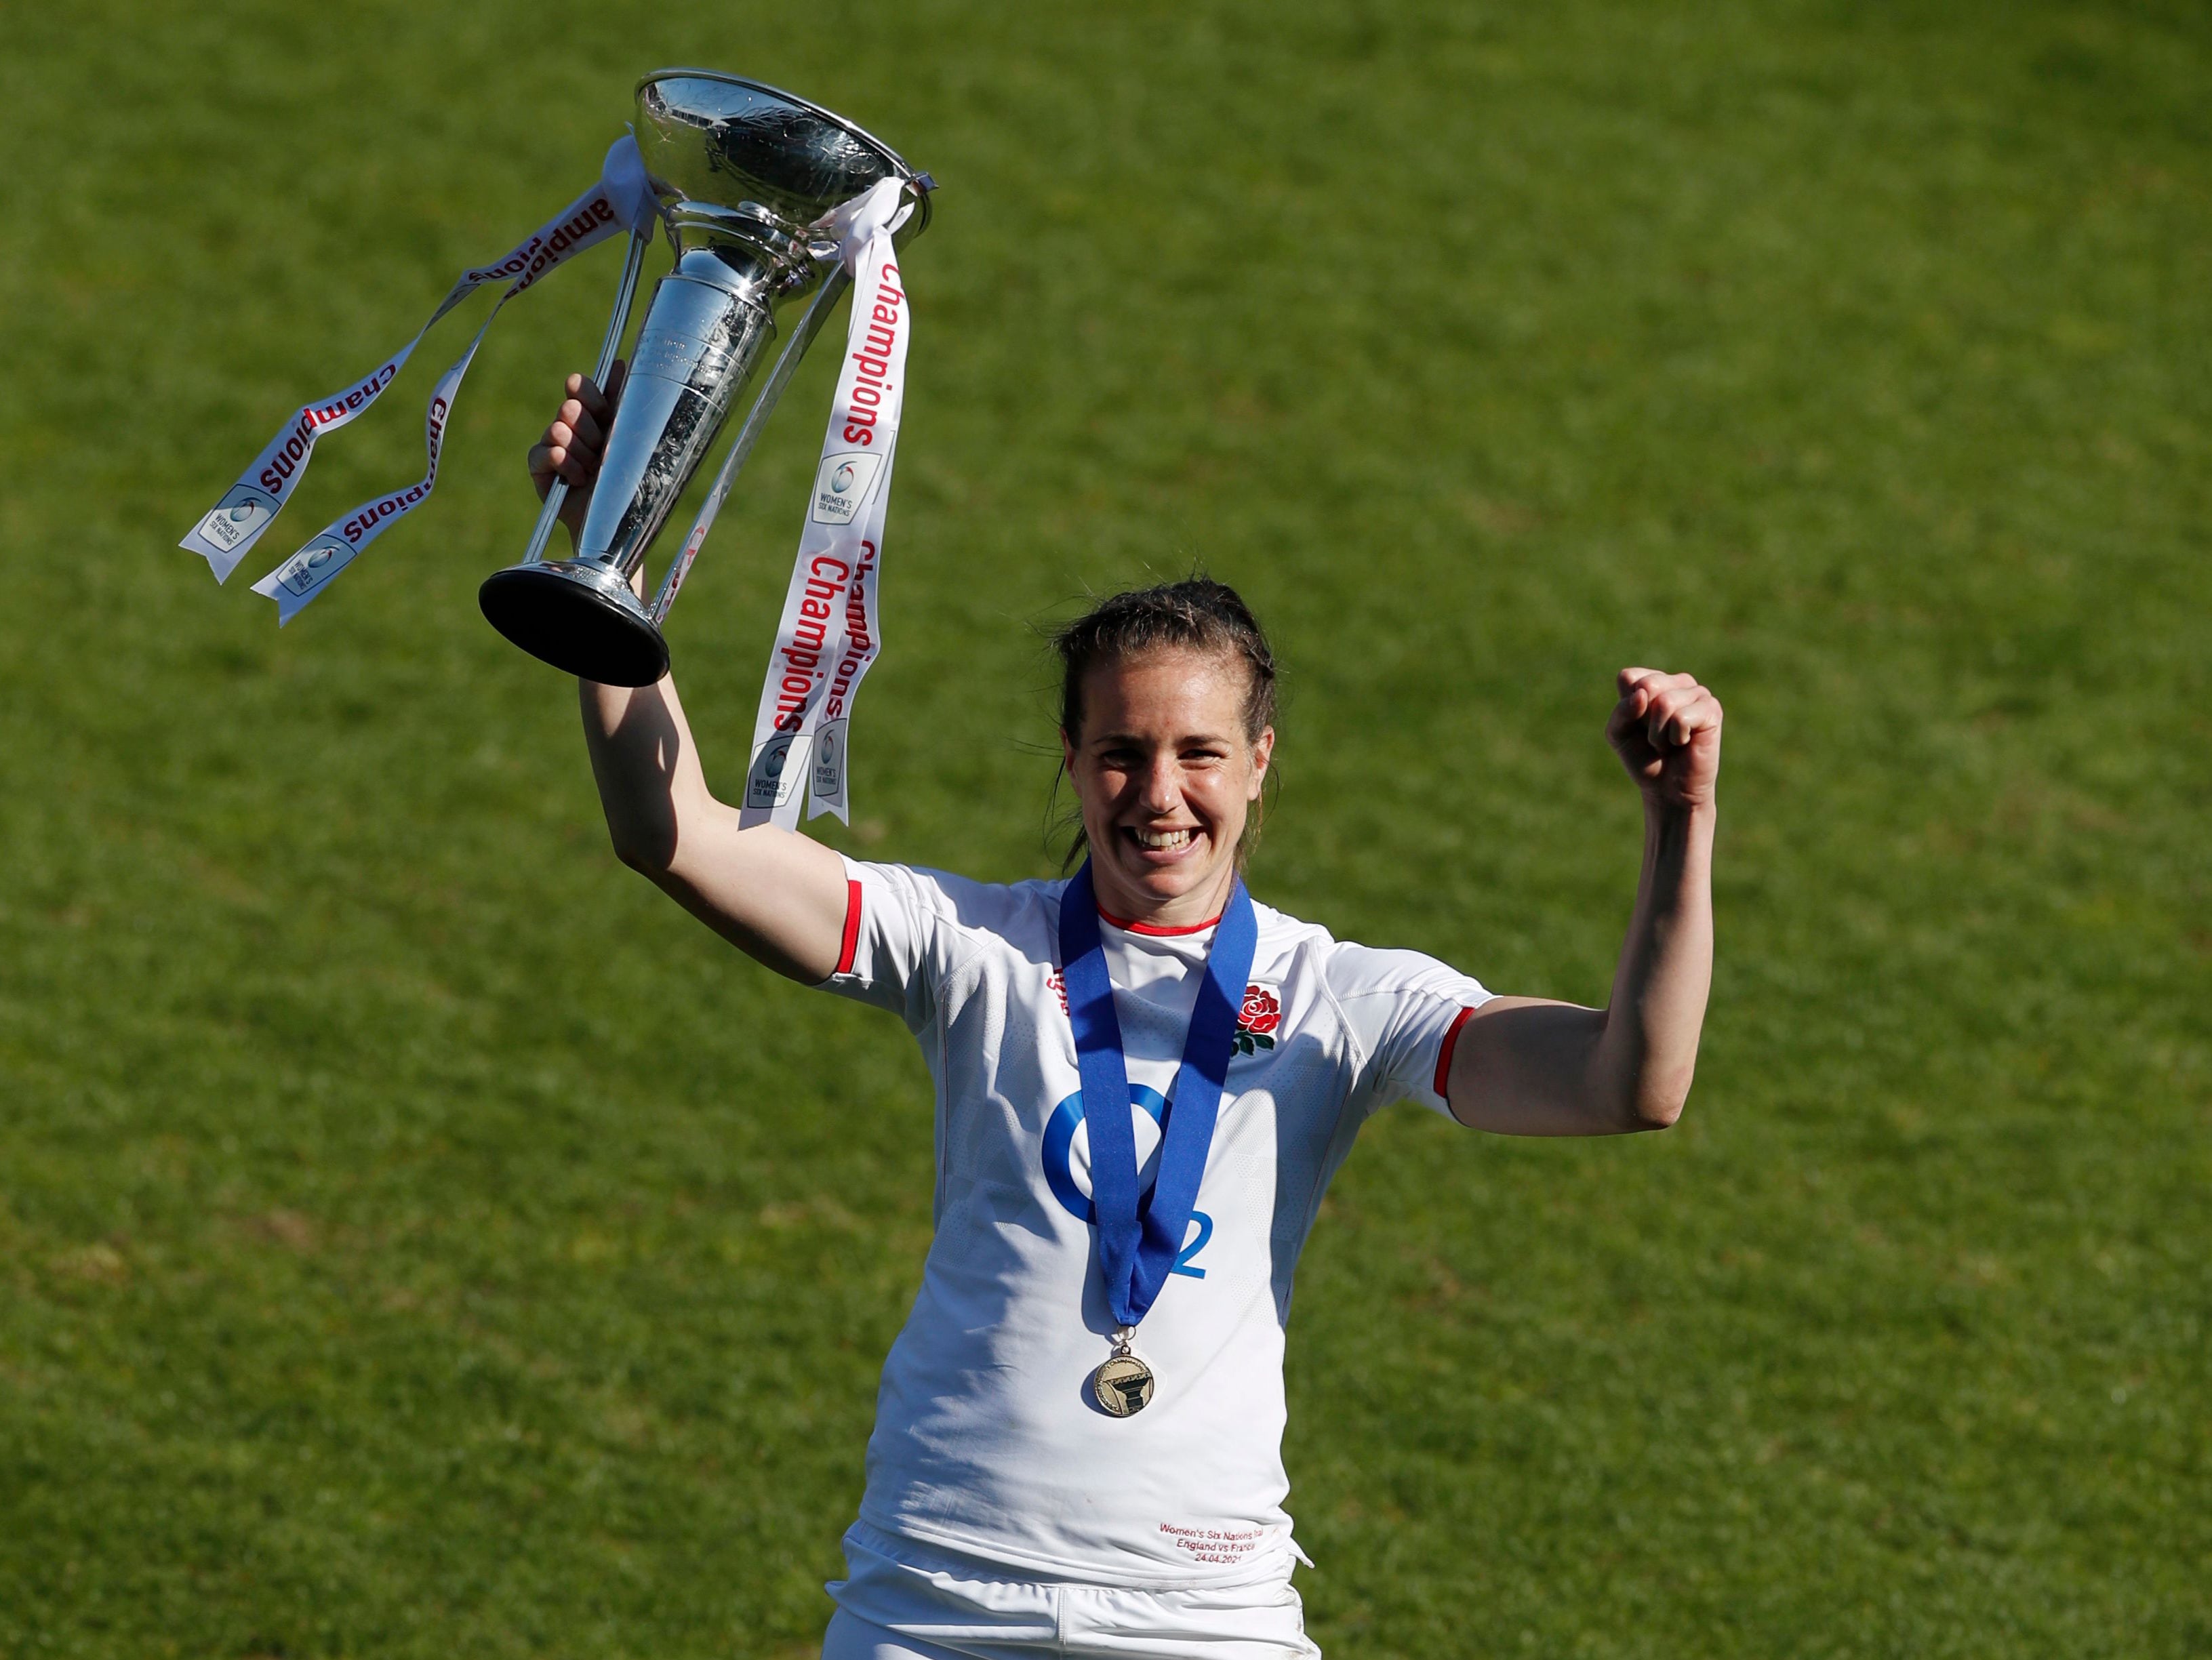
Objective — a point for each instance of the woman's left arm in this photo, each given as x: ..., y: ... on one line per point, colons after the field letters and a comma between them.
x: 1527, y: 1066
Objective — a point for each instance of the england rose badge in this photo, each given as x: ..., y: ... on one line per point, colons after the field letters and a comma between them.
x: 1257, y: 1020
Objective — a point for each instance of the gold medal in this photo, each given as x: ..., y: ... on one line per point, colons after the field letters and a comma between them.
x: 1122, y: 1384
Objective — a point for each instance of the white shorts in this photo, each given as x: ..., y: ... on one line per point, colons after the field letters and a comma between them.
x: 902, y: 1601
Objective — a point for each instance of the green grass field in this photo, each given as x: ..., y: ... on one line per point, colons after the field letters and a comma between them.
x: 417, y: 1238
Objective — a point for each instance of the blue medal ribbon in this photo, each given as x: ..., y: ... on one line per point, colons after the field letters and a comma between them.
x: 1140, y: 1234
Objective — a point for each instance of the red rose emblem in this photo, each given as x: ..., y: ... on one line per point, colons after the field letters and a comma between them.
x: 1261, y: 1012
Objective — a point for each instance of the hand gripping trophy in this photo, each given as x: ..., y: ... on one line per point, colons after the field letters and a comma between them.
x: 775, y: 208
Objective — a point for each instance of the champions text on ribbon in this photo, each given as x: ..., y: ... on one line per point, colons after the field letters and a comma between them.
x: 829, y: 636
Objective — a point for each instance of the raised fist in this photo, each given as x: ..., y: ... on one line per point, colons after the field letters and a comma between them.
x: 1667, y: 730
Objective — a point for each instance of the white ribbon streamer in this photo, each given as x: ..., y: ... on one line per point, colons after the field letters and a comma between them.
x: 829, y: 636
x: 622, y: 199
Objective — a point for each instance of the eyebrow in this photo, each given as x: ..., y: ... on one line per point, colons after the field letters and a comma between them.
x: 1187, y: 738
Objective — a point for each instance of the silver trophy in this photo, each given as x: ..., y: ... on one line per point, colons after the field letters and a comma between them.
x: 744, y: 176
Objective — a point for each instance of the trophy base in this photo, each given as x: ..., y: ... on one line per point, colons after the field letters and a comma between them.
x: 578, y: 616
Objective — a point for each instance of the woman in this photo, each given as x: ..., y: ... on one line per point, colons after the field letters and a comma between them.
x: 1078, y: 1444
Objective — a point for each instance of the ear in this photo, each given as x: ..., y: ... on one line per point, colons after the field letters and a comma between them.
x: 1263, y: 752
x: 1067, y: 752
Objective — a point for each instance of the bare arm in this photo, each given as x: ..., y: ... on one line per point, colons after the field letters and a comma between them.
x: 779, y: 897
x: 1526, y: 1065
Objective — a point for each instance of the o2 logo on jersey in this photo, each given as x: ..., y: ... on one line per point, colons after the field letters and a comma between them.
x: 1059, y: 1169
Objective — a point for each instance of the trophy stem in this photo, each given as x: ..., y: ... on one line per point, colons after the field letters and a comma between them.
x: 787, y: 364
x: 625, y: 291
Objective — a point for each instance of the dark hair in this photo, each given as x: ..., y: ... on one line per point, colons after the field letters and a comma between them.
x: 1197, y: 614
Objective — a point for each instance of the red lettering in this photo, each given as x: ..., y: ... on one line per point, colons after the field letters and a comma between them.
x: 858, y: 435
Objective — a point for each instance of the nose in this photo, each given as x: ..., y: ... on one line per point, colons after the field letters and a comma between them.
x: 1162, y: 789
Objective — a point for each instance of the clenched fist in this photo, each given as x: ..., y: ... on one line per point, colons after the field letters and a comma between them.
x: 1667, y: 730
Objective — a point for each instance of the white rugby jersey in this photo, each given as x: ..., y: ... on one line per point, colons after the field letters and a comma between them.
x: 987, y: 1441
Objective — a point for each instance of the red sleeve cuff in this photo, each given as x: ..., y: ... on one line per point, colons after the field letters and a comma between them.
x: 1444, y: 1054
x: 851, y: 946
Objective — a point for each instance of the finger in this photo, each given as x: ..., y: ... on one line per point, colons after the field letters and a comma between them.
x: 584, y: 392
x: 1670, y: 725
x: 597, y: 401
x: 1679, y: 715
x: 543, y: 465
x: 549, y: 462
x: 574, y: 453
x: 1626, y: 715
x: 1639, y: 686
x: 585, y: 432
x: 1663, y: 719
x: 1702, y: 716
x: 1628, y: 678
x: 558, y: 456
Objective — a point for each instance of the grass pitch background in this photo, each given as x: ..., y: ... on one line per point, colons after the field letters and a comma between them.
x: 416, y: 1238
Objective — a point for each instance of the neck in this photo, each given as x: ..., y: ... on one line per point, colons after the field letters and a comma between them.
x: 1131, y: 904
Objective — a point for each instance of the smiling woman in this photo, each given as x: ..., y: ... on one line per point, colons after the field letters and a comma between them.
x: 1172, y: 691
x: 1145, y: 1080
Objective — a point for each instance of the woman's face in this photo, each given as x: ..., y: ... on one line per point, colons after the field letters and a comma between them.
x: 1165, y: 777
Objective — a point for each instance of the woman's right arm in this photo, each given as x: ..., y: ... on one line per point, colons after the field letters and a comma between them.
x: 777, y: 896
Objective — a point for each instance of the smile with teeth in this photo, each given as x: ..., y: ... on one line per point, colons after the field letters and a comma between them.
x: 1162, y: 840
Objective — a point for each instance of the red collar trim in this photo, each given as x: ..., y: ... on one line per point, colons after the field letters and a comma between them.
x: 1154, y: 929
